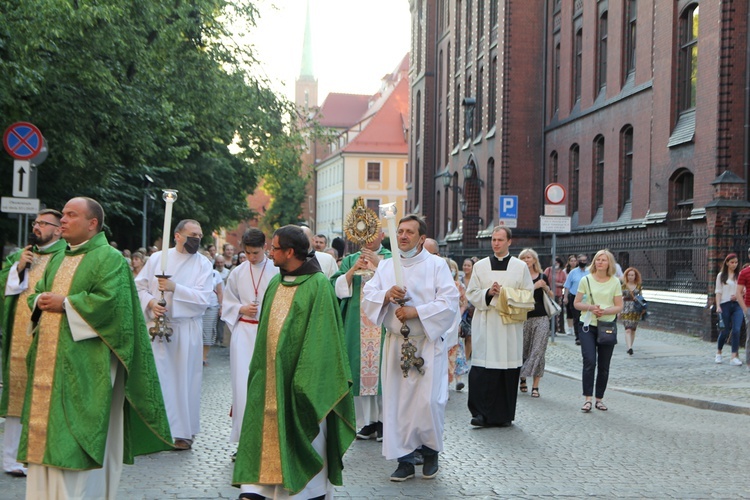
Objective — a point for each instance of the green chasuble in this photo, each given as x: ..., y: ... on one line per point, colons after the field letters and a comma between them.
x: 67, y: 409
x: 15, y: 322
x: 350, y: 311
x: 299, y: 375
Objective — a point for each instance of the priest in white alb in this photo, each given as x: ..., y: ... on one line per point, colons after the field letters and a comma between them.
x: 188, y: 293
x: 243, y: 297
x: 414, y: 406
x: 497, y: 347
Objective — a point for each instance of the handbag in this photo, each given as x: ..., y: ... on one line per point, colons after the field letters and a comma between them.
x: 606, y: 331
x: 552, y: 307
x: 639, y: 304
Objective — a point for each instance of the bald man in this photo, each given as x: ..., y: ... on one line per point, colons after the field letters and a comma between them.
x: 431, y: 246
x: 327, y: 263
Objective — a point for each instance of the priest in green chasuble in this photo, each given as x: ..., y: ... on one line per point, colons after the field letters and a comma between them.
x: 295, y: 434
x: 93, y: 399
x: 18, y: 278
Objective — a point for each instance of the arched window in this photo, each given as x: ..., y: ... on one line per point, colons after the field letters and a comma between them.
x: 630, y: 18
x: 552, y: 168
x: 490, y: 214
x: 577, y: 66
x: 601, y: 52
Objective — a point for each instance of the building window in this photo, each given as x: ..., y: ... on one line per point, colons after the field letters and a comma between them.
x: 438, y: 224
x: 418, y: 118
x: 602, y: 52
x: 373, y: 205
x: 469, y: 12
x: 458, y: 33
x: 688, y: 58
x: 468, y: 120
x: 631, y: 7
x: 373, y: 171
x: 454, y: 213
x: 683, y: 190
x: 577, y: 66
x: 626, y: 169
x: 556, y: 79
x: 490, y: 192
x: 480, y: 23
x: 493, y: 19
x: 478, y: 111
x: 492, y: 104
x: 457, y: 115
x: 552, y: 168
x: 574, y: 176
x: 599, y: 172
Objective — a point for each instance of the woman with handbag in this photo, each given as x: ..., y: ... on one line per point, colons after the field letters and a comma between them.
x: 536, y: 328
x: 598, y: 329
x: 728, y: 308
x: 559, y: 275
x: 632, y: 308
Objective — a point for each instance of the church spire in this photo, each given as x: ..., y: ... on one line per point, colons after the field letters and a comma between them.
x: 306, y: 69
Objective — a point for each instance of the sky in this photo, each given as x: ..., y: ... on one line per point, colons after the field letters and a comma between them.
x: 355, y: 42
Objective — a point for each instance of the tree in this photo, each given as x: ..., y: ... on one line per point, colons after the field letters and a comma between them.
x: 123, y: 89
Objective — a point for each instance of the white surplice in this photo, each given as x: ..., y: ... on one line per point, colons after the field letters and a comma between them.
x: 180, y: 361
x: 414, y: 406
x: 495, y: 345
x: 327, y: 263
x: 240, y: 291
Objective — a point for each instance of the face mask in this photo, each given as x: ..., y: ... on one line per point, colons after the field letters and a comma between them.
x: 192, y: 244
x: 411, y: 253
x: 454, y: 274
x: 582, y: 264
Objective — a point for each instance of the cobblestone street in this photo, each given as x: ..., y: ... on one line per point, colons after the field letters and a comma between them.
x: 643, y: 447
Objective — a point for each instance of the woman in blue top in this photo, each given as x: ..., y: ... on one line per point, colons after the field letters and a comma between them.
x: 603, y: 300
x: 728, y: 308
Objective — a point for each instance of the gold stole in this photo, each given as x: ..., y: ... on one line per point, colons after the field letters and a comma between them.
x: 21, y: 340
x: 270, y: 456
x: 46, y: 359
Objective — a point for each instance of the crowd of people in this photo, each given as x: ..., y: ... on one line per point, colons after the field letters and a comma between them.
x: 328, y: 347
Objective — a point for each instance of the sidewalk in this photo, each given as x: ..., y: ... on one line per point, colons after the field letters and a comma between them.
x: 665, y: 366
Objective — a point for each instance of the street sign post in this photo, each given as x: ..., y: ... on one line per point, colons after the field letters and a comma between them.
x: 508, y: 211
x: 21, y: 178
x: 19, y: 205
x: 23, y: 141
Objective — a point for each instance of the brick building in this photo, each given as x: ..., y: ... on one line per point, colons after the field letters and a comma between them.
x: 639, y: 108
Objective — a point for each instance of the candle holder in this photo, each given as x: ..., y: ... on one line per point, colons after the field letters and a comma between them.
x: 161, y: 326
x: 409, y: 359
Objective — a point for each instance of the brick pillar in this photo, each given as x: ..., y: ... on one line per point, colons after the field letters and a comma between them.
x: 724, y: 216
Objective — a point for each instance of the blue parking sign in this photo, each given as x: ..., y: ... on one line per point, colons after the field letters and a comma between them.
x: 508, y: 207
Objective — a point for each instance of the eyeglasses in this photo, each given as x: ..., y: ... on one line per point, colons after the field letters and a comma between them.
x: 273, y: 248
x: 43, y: 224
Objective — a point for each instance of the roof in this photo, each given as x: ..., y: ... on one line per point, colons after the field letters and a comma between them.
x: 385, y: 131
x: 342, y: 110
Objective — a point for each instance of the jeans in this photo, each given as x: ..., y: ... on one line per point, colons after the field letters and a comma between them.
x: 731, y: 314
x: 409, y: 459
x: 594, y: 357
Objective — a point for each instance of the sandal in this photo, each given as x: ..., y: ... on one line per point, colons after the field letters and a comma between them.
x: 524, y: 387
x: 586, y: 407
x: 535, y: 392
x: 600, y: 406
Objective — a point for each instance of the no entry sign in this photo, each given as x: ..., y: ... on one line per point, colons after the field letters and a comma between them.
x: 23, y: 141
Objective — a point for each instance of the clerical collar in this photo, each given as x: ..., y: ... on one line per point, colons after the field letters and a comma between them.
x: 505, y: 257
x: 76, y: 247
x: 45, y: 247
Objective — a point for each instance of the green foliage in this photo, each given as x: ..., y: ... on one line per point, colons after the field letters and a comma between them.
x: 124, y: 89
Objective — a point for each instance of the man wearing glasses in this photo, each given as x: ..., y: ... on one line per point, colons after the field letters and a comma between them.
x: 188, y: 290
x: 92, y: 403
x: 18, y: 278
x: 301, y: 420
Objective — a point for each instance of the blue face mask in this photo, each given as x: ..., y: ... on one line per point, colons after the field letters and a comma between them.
x: 411, y: 253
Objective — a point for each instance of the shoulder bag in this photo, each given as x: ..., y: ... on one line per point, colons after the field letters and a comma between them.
x: 606, y: 331
x: 552, y: 307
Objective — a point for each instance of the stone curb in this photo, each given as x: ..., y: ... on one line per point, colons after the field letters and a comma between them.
x: 669, y: 397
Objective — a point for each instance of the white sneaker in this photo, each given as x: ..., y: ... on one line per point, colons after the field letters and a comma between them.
x: 718, y: 358
x: 735, y: 362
